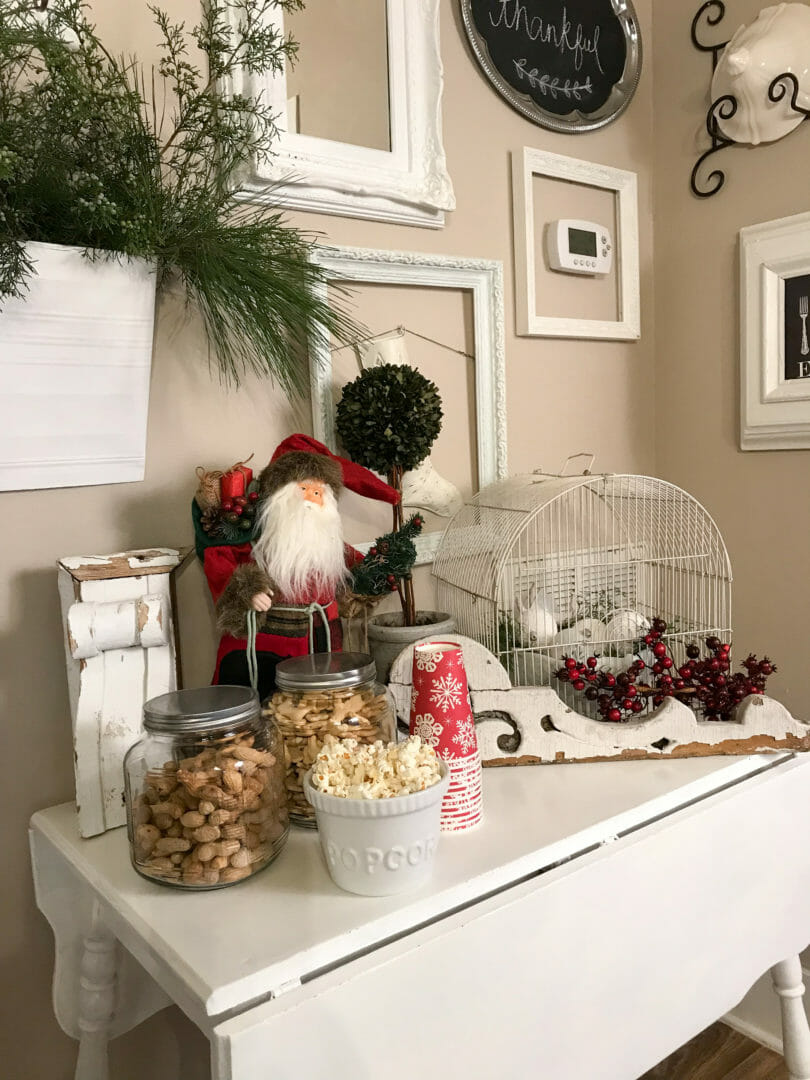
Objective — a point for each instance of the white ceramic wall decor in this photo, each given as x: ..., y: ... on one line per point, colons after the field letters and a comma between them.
x: 527, y: 164
x: 408, y: 184
x: 776, y: 42
x: 484, y: 279
x: 121, y: 649
x: 75, y: 360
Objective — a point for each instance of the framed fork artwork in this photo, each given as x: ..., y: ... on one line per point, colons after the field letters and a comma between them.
x: 774, y: 333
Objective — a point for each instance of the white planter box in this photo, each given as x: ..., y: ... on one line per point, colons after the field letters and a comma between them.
x: 75, y: 359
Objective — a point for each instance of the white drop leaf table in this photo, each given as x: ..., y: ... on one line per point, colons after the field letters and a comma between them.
x: 599, y: 918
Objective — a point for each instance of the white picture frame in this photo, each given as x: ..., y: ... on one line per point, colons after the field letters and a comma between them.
x: 408, y: 184
x: 483, y: 278
x: 528, y: 163
x: 774, y: 405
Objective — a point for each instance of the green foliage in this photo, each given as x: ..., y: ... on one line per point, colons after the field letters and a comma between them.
x: 389, y: 560
x: 389, y: 417
x: 98, y: 153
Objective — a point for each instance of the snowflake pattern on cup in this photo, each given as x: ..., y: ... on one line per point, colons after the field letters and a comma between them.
x: 465, y: 739
x: 427, y: 661
x: 427, y: 728
x: 446, y: 692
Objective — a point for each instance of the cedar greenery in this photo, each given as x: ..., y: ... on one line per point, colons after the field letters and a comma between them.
x: 99, y: 153
x: 388, y: 419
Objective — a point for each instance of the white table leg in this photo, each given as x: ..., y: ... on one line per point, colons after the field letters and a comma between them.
x: 97, y: 984
x: 788, y: 984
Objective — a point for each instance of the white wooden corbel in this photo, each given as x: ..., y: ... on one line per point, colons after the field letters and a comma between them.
x: 121, y: 649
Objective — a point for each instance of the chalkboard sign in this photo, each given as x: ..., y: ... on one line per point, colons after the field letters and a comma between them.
x: 569, y: 65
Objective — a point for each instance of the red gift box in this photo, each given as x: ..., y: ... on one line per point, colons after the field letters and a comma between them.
x: 441, y: 715
x: 235, y: 481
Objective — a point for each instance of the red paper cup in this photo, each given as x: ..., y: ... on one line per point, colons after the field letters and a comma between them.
x: 441, y: 715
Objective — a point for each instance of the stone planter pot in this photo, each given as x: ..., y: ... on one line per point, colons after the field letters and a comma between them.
x: 387, y: 637
x: 75, y: 362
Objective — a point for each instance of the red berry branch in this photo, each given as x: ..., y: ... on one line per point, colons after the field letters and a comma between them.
x: 704, y: 683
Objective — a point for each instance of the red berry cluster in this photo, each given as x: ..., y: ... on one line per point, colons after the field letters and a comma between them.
x: 704, y: 683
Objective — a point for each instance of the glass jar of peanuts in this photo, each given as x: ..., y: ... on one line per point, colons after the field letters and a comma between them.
x: 325, y: 694
x: 205, y: 792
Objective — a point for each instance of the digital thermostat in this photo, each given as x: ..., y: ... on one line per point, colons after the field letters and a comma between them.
x: 578, y: 247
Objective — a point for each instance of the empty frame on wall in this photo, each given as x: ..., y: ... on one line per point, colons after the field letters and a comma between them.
x: 591, y: 313
x: 368, y: 145
x: 774, y: 346
x: 482, y: 280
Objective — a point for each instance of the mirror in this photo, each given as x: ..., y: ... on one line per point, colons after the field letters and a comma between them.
x: 367, y: 142
x: 337, y: 89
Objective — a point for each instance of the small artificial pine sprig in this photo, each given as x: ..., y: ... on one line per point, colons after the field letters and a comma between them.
x: 705, y: 683
x: 389, y: 560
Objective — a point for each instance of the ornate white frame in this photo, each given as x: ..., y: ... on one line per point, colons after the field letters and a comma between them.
x: 409, y: 184
x: 484, y: 279
x: 529, y: 163
x: 774, y: 412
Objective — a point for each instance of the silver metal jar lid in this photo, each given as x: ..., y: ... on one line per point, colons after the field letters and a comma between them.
x: 204, y: 708
x: 325, y: 671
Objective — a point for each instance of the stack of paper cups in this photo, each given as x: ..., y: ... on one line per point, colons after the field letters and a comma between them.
x: 441, y: 715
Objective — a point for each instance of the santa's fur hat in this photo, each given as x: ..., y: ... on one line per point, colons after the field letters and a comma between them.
x: 300, y: 457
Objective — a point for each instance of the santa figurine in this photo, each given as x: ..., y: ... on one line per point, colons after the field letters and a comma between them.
x: 294, y: 571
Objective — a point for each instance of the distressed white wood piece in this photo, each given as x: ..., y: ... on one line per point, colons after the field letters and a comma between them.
x: 484, y: 279
x: 528, y: 163
x: 788, y: 982
x: 515, y: 913
x: 774, y: 411
x: 120, y: 649
x: 531, y: 725
x: 75, y: 361
x: 94, y: 628
x: 409, y: 184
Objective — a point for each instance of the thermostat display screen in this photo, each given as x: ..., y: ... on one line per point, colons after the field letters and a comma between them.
x: 581, y: 242
x: 578, y: 247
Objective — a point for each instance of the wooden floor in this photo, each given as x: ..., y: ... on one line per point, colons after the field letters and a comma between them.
x: 719, y: 1053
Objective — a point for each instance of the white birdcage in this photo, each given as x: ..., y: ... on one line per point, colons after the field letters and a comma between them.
x: 540, y: 567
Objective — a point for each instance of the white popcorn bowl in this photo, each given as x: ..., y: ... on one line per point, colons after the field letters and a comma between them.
x: 377, y: 847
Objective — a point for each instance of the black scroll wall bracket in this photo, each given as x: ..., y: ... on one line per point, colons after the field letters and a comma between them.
x: 703, y: 185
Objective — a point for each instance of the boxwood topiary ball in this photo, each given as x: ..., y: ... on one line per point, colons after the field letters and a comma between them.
x: 389, y: 415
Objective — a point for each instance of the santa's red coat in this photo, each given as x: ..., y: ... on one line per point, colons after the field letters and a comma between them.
x: 219, y: 563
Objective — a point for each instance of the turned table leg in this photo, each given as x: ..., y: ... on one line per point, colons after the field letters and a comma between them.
x: 788, y: 984
x: 97, y: 985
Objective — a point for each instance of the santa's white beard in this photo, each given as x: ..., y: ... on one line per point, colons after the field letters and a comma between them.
x: 300, y: 544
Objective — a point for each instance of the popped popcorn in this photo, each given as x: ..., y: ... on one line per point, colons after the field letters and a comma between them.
x: 352, y: 770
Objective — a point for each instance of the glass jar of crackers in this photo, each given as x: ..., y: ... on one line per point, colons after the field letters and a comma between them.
x: 205, y: 792
x: 325, y: 694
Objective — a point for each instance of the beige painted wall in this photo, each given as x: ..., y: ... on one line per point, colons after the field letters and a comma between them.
x: 759, y: 499
x: 339, y: 82
x: 562, y: 395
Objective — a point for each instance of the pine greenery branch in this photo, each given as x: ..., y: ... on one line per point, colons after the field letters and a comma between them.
x: 388, y: 561
x: 100, y: 153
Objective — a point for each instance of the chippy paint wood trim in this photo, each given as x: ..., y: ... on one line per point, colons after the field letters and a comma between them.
x: 482, y: 277
x: 408, y: 185
x: 529, y: 163
x: 120, y: 651
x: 533, y: 726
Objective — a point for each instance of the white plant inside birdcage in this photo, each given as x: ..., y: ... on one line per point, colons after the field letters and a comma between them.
x: 541, y: 567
